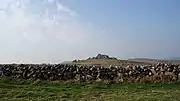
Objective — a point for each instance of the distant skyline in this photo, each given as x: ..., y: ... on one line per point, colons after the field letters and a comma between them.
x: 52, y: 31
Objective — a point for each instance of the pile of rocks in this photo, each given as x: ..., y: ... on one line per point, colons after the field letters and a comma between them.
x: 149, y: 73
x: 101, y: 56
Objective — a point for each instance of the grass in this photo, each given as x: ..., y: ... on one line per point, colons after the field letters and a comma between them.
x: 21, y: 90
x: 107, y: 62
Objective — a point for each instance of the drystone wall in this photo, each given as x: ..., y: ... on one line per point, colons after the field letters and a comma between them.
x: 112, y: 74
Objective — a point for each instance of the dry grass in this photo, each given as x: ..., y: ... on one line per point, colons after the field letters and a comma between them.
x: 108, y: 62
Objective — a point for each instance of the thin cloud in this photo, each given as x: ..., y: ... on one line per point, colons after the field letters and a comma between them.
x: 35, y: 31
x: 48, y: 24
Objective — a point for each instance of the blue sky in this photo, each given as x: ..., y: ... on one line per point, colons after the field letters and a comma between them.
x: 57, y: 30
x: 153, y: 23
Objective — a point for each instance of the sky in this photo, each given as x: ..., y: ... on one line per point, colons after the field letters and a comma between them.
x: 52, y: 31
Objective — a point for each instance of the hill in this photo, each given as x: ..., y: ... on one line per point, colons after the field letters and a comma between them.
x: 155, y: 61
x: 67, y: 62
x: 175, y: 58
x: 105, y: 60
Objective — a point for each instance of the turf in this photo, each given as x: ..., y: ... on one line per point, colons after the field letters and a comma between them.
x: 21, y: 90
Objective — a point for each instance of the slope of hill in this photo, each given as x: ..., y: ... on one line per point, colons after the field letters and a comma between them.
x: 155, y: 61
x: 175, y: 58
x: 108, y: 62
x: 67, y: 62
x: 105, y: 60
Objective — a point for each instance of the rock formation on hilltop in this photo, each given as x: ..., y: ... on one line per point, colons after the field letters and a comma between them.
x: 101, y: 56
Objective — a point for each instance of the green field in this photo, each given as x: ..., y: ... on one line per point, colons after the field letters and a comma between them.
x: 21, y: 90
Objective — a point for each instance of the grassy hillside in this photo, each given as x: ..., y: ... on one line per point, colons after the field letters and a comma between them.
x: 107, y: 62
x: 19, y: 90
x: 155, y: 61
